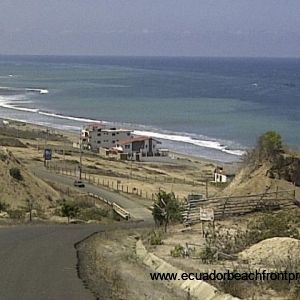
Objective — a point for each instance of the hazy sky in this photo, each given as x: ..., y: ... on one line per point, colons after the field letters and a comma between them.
x: 151, y: 27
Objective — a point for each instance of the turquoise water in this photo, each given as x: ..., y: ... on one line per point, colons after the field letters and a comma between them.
x: 207, y: 107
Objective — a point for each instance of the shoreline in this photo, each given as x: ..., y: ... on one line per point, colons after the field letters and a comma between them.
x: 72, y: 134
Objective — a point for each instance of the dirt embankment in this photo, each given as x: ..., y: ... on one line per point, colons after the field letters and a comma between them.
x: 19, y: 185
x: 110, y: 268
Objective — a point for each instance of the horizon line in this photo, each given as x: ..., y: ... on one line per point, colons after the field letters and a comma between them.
x: 150, y: 56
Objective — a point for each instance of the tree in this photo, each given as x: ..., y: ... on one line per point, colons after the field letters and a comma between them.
x: 269, y: 145
x: 69, y: 210
x: 166, y: 209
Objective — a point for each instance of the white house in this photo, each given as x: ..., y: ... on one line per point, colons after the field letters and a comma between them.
x: 221, y: 175
x: 98, y: 135
x: 143, y: 145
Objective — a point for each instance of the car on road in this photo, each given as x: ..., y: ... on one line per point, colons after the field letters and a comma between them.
x: 79, y: 183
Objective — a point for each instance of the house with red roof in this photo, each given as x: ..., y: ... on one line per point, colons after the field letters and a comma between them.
x: 143, y: 145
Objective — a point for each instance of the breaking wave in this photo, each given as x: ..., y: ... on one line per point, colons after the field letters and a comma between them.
x: 187, y: 139
x: 13, y: 101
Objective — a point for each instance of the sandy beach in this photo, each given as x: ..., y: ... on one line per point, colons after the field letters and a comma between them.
x: 178, y: 173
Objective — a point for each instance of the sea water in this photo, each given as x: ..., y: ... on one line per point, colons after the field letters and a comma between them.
x: 207, y: 107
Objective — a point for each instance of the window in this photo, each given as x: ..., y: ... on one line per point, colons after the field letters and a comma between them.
x: 127, y: 146
x: 113, y: 142
x: 113, y: 134
x: 99, y: 142
x: 99, y: 134
x: 128, y: 133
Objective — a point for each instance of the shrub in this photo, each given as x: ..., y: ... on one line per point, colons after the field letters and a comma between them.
x: 4, y: 206
x: 166, y: 209
x: 69, y: 210
x: 93, y: 214
x: 178, y: 251
x: 18, y: 214
x: 16, y: 173
x: 155, y: 238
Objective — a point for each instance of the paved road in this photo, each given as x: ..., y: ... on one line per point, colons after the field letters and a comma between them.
x: 38, y: 262
x: 136, y: 209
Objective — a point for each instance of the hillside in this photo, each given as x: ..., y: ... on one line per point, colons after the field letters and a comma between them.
x: 266, y: 176
x: 15, y: 190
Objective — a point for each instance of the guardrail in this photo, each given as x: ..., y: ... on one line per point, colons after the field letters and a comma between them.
x: 117, y: 208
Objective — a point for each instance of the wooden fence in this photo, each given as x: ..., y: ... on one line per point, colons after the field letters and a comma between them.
x: 240, y: 205
x: 114, y: 185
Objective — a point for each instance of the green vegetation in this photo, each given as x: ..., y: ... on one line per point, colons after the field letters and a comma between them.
x: 282, y: 224
x: 268, y: 147
x: 166, y: 209
x: 16, y: 173
x: 155, y: 238
x: 93, y: 213
x: 4, y: 206
x: 69, y: 210
x: 178, y: 251
x: 18, y: 214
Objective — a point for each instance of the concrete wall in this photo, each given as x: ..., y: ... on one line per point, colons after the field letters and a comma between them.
x: 199, y: 289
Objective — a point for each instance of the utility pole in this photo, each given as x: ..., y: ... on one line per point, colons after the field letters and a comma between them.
x: 80, y: 160
x: 45, y: 145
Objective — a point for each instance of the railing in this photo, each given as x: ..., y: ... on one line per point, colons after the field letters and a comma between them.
x: 240, y: 205
x: 117, y: 208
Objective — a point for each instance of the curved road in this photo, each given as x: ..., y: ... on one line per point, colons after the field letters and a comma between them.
x: 136, y: 208
x: 38, y: 262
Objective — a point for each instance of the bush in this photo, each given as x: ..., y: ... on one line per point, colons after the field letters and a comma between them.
x: 264, y: 227
x: 155, y: 238
x: 166, y: 209
x: 17, y: 214
x: 178, y: 251
x: 69, y: 210
x: 4, y: 206
x: 16, y: 173
x: 93, y: 214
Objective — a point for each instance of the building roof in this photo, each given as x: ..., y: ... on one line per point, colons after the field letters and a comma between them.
x: 138, y: 139
x: 116, y: 130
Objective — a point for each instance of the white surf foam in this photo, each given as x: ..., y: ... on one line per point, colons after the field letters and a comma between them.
x: 8, y: 102
x: 83, y: 120
x: 187, y: 139
x: 41, y: 91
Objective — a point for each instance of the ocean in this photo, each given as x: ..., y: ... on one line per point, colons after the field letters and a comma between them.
x: 207, y: 107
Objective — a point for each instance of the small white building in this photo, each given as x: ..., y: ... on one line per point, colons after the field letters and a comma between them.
x: 223, y: 176
x: 143, y: 145
x: 98, y: 135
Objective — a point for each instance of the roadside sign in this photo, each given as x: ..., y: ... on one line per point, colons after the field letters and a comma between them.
x: 48, y: 154
x: 207, y: 214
